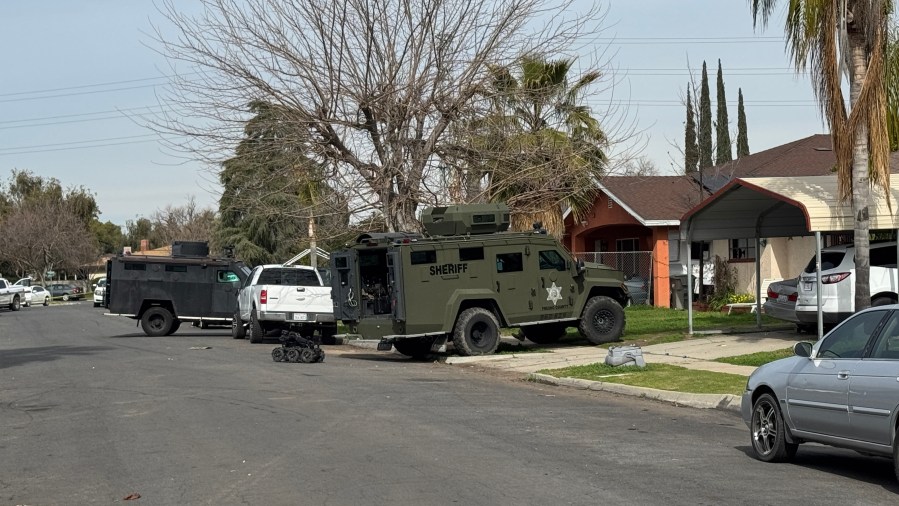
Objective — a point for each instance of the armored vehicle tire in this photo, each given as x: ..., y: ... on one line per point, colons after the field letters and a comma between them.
x: 238, y: 331
x: 175, y: 326
x: 328, y: 333
x: 602, y: 320
x: 544, y: 333
x: 255, y: 333
x: 476, y: 332
x: 156, y: 321
x: 415, y: 347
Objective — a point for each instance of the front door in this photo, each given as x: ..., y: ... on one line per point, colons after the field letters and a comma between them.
x: 873, y: 385
x: 552, y: 294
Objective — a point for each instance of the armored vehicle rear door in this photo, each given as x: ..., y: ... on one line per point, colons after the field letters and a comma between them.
x: 394, y: 282
x: 345, y: 285
x: 224, y: 291
x: 551, y: 294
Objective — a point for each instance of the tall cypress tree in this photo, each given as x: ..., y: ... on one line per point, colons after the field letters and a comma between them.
x: 722, y: 135
x: 742, y: 136
x: 691, y: 149
x: 705, y: 122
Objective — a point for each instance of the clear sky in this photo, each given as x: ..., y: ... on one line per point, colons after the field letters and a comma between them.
x: 74, y: 71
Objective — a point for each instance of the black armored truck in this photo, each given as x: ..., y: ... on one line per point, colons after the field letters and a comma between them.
x: 466, y: 278
x: 161, y: 292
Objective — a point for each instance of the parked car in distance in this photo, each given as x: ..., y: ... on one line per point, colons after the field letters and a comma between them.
x: 637, y: 288
x: 40, y: 295
x: 781, y: 302
x: 99, y: 290
x: 841, y: 391
x: 65, y: 291
x: 838, y: 282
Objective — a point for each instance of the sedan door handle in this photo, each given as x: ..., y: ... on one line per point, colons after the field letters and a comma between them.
x: 843, y: 375
x: 301, y: 288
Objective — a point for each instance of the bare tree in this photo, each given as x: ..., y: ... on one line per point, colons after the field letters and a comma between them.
x: 371, y: 86
x: 183, y: 223
x: 44, y: 236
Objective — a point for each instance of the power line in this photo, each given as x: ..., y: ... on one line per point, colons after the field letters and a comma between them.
x: 76, y: 147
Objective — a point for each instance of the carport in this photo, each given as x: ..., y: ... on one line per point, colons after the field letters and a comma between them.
x: 766, y: 207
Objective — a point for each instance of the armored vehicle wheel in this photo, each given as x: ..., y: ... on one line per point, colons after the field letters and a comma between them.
x: 327, y: 335
x: 307, y: 356
x: 255, y: 333
x: 602, y: 320
x: 292, y: 355
x: 415, y: 347
x: 238, y: 331
x: 175, y: 326
x: 156, y: 321
x: 545, y: 333
x: 476, y: 332
x: 278, y: 354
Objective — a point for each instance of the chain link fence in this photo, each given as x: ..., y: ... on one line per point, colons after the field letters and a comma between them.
x: 636, y: 266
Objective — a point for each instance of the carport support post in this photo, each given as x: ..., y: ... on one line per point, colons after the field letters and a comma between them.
x: 758, y: 281
x: 818, y: 282
x: 690, y: 285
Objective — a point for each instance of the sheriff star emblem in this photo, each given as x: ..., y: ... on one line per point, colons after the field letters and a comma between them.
x: 554, y: 293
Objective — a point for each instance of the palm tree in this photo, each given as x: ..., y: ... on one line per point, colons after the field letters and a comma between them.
x: 544, y: 149
x: 831, y: 38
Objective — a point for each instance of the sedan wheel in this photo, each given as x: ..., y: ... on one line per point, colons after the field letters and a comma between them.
x: 47, y: 300
x: 768, y: 433
x: 65, y: 296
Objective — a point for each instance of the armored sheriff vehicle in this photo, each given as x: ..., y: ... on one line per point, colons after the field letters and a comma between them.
x: 161, y: 292
x: 467, y: 278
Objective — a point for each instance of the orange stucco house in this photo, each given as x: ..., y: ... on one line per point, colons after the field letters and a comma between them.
x: 634, y: 226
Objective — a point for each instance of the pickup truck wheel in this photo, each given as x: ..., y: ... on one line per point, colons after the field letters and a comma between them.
x: 476, y: 332
x: 156, y: 321
x: 15, y: 304
x: 602, y: 320
x: 255, y: 333
x: 544, y: 333
x: 238, y: 331
x: 418, y: 348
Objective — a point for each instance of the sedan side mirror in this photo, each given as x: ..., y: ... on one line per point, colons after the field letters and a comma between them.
x: 802, y: 349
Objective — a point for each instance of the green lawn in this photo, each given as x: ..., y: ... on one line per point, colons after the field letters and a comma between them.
x: 658, y: 376
x: 757, y: 359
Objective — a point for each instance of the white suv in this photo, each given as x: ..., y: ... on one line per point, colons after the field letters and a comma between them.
x: 838, y: 283
x: 99, y: 291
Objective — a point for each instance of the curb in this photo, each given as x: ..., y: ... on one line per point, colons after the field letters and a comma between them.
x: 725, y: 402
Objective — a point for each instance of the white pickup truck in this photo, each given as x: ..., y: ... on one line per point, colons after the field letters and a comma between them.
x: 282, y: 297
x: 13, y: 296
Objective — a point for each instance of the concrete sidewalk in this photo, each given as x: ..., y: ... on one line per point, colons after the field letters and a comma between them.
x: 698, y: 352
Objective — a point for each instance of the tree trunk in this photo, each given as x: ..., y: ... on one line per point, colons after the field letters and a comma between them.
x: 861, y: 186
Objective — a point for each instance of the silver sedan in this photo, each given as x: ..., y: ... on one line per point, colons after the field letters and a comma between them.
x: 841, y: 391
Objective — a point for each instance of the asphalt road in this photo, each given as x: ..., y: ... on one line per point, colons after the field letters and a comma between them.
x: 92, y: 410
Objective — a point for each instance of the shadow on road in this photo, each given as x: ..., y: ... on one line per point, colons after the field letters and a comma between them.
x: 13, y: 358
x: 847, y: 463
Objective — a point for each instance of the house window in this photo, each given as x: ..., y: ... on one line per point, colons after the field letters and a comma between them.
x: 626, y: 245
x: 742, y: 249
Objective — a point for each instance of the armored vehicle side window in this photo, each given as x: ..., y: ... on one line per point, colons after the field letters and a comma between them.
x: 469, y: 254
x: 129, y: 266
x: 226, y: 277
x: 509, y: 262
x: 423, y: 257
x: 551, y: 259
x: 175, y: 268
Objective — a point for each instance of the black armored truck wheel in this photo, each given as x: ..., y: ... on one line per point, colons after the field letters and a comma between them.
x: 476, y: 332
x: 602, y: 320
x: 156, y: 321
